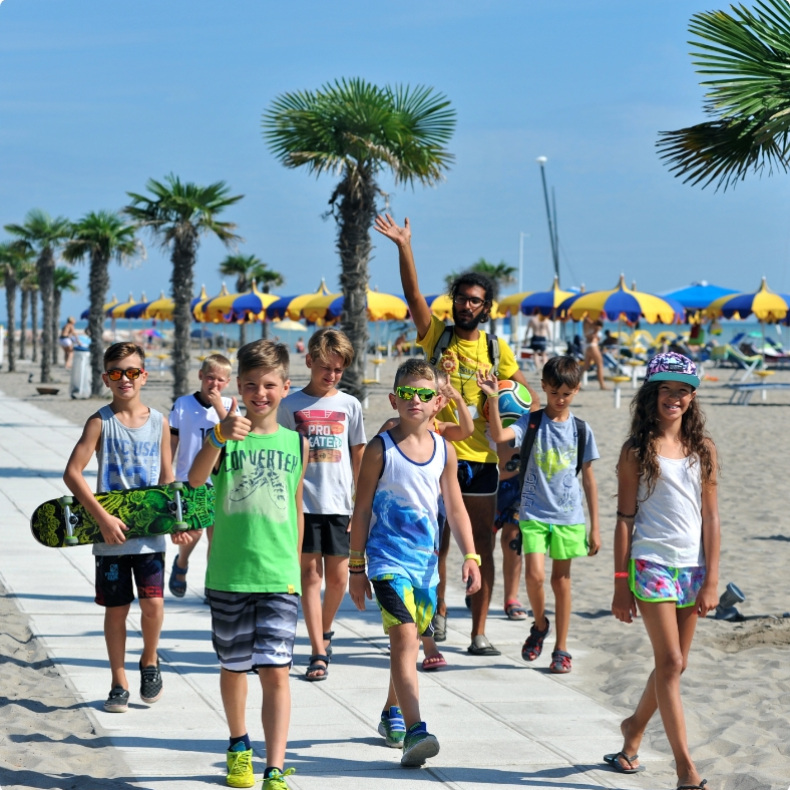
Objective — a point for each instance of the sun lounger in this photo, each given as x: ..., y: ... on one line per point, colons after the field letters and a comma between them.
x: 742, y: 391
x: 745, y: 366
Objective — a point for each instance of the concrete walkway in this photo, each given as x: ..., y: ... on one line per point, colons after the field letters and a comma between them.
x: 500, y: 722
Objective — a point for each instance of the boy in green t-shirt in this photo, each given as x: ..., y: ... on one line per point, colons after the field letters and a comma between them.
x: 253, y: 578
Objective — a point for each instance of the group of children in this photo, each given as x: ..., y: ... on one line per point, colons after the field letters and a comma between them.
x: 284, y: 473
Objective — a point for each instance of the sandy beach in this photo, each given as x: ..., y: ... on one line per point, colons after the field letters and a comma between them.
x: 737, y: 687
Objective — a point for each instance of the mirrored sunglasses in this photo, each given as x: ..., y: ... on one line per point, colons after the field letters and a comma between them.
x: 407, y: 393
x: 115, y: 374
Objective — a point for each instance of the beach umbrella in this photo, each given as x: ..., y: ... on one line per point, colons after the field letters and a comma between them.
x: 698, y: 296
x: 511, y: 305
x: 228, y: 307
x: 105, y: 308
x: 202, y: 314
x: 119, y: 310
x: 289, y: 325
x: 380, y: 307
x: 291, y: 306
x: 545, y: 303
x: 621, y: 304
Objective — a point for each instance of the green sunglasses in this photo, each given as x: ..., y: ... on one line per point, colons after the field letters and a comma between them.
x: 407, y: 393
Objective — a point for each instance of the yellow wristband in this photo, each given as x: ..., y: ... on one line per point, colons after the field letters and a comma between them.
x: 475, y: 557
x: 494, y: 395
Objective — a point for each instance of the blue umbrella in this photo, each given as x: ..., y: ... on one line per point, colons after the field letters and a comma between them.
x: 698, y: 296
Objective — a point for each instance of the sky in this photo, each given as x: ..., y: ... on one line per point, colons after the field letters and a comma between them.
x: 97, y: 97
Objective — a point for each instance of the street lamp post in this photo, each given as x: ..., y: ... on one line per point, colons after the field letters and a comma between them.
x: 541, y: 160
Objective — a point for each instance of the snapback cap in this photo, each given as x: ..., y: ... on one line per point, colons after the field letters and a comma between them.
x: 671, y: 366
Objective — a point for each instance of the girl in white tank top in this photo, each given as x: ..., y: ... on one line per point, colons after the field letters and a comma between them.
x: 666, y: 547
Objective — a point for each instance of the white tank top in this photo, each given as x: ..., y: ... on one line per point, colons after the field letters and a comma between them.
x: 668, y: 524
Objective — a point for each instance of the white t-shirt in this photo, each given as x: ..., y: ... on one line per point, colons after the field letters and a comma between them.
x: 190, y: 420
x: 332, y: 426
x: 668, y: 524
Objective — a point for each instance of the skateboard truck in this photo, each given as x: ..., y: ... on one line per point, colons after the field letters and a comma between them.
x: 70, y: 520
x: 180, y: 524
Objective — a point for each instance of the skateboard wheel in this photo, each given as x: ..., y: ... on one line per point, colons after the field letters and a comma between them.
x: 66, y: 500
x: 181, y: 526
x: 177, y: 486
x: 71, y: 541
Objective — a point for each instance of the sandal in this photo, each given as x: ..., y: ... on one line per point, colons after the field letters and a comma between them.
x: 317, y: 664
x: 432, y: 663
x: 177, y: 587
x: 440, y: 628
x: 560, y: 663
x: 615, y: 761
x: 515, y: 610
x: 533, y: 647
x: 482, y: 647
x: 328, y: 638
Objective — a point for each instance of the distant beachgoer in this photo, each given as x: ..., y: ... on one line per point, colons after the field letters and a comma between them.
x: 400, y: 341
x: 592, y: 353
x: 300, y: 346
x: 539, y: 328
x: 68, y: 339
x: 666, y: 547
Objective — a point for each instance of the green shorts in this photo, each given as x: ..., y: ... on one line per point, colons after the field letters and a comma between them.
x: 561, y: 541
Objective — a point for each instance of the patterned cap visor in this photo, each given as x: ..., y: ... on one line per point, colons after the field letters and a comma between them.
x: 672, y: 366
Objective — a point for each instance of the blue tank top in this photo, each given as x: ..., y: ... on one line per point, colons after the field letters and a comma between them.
x: 404, y: 528
x: 129, y: 458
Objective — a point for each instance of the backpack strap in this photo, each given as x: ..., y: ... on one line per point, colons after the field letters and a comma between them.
x: 443, y: 343
x: 581, y: 442
x: 493, y: 352
x: 535, y: 418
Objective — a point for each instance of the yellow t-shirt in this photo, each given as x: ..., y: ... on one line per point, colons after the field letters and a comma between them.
x: 461, y: 360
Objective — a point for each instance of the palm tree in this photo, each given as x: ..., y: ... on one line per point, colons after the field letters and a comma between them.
x: 101, y: 236
x: 501, y: 274
x: 15, y: 262
x: 248, y: 269
x: 65, y: 279
x: 747, y: 55
x: 355, y: 130
x: 43, y: 235
x: 177, y: 214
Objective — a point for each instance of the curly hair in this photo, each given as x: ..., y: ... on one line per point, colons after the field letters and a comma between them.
x: 645, y: 435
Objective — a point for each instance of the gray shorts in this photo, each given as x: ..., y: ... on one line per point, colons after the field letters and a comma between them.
x: 252, y: 630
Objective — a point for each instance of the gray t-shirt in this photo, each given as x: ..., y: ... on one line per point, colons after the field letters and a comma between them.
x: 552, y: 492
x: 332, y: 426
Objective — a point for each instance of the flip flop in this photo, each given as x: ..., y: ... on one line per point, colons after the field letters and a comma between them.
x: 614, y: 761
x: 432, y: 663
x: 482, y: 647
x: 515, y: 610
x: 700, y: 786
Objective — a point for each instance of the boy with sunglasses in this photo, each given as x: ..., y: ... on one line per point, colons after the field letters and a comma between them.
x: 132, y: 446
x: 395, y: 523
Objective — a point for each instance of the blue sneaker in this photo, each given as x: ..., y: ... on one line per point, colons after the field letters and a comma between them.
x: 392, y: 727
x: 418, y: 745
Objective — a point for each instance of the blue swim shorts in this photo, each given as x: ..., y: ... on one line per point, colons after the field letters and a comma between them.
x: 400, y: 602
x: 653, y: 583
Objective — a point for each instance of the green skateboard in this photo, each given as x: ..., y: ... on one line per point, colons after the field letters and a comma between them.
x: 154, y: 510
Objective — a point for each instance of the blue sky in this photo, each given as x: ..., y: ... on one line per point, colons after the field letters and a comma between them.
x: 96, y: 97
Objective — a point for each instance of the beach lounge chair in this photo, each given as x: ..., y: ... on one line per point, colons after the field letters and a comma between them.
x: 729, y: 356
x: 742, y: 391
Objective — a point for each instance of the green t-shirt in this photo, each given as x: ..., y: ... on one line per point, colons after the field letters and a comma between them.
x: 461, y: 360
x: 255, y: 547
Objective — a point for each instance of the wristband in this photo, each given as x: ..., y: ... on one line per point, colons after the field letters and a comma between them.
x: 353, y: 553
x: 475, y: 557
x: 620, y: 514
x: 213, y: 439
x: 361, y: 570
x: 493, y: 395
x: 621, y: 574
x: 218, y: 434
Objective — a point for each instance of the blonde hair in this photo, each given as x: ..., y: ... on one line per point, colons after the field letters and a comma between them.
x: 264, y: 354
x: 326, y: 342
x: 216, y: 361
x: 418, y: 369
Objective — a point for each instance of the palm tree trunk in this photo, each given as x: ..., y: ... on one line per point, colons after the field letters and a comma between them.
x: 24, y: 303
x: 45, y: 267
x: 356, y: 213
x: 10, y: 303
x: 35, y: 332
x: 98, y: 285
x: 182, y: 281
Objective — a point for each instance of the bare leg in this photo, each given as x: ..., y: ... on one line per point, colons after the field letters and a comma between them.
x: 336, y: 578
x: 481, y: 510
x: 511, y: 562
x: 184, y: 553
x: 115, y: 639
x: 535, y: 572
x: 671, y: 632
x: 405, y: 647
x: 152, y: 614
x: 444, y: 550
x: 275, y: 712
x: 233, y: 688
x: 561, y: 586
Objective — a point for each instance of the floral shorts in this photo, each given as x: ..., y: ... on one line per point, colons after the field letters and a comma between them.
x: 652, y: 582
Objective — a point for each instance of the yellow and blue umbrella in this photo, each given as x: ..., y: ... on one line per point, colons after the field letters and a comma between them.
x: 621, y: 303
x: 228, y: 307
x: 291, y: 306
x: 119, y: 310
x: 85, y: 314
x: 764, y: 304
x: 545, y: 303
x: 380, y: 307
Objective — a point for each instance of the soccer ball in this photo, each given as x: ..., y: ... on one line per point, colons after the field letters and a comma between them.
x: 514, y: 400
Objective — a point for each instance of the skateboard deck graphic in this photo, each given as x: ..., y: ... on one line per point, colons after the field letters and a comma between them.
x: 154, y: 510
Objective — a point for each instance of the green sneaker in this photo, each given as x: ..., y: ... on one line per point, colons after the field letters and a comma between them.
x: 392, y: 727
x: 418, y: 745
x: 275, y: 781
x: 240, y: 769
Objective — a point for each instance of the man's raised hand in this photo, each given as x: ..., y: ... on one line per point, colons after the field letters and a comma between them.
x: 389, y: 228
